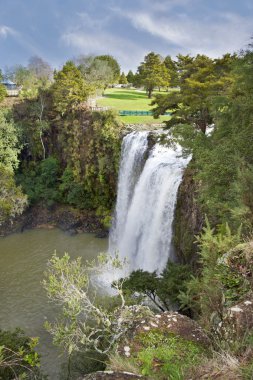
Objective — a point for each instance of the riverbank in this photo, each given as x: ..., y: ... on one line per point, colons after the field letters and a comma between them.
x: 64, y: 217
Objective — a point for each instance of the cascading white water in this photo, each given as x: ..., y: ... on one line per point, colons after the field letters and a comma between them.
x: 134, y: 149
x: 142, y: 228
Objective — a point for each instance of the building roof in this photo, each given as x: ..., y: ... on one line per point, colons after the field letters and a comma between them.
x: 8, y: 82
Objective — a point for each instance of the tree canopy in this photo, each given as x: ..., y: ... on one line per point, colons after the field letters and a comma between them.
x: 69, y: 88
x: 12, y: 200
x: 152, y: 73
x: 123, y: 79
x: 200, y: 80
x: 113, y: 64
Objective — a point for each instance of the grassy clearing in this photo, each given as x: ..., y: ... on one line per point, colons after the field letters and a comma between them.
x: 143, y: 119
x: 131, y: 100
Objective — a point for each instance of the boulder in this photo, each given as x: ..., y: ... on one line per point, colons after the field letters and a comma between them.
x: 111, y: 375
x: 167, y: 323
x: 238, y: 320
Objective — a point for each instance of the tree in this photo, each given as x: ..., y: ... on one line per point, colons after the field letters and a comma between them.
x: 123, y: 79
x: 69, y: 89
x: 95, y: 71
x: 100, y: 74
x: 201, y: 79
x: 162, y: 290
x: 3, y: 92
x: 130, y: 77
x: 144, y: 283
x: 20, y: 75
x: 172, y: 70
x: 86, y: 324
x: 2, y: 88
x: 152, y: 73
x: 40, y: 69
x: 9, y: 144
x: 12, y: 200
x: 113, y: 64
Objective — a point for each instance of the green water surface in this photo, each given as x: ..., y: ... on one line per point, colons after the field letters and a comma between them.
x: 23, y: 302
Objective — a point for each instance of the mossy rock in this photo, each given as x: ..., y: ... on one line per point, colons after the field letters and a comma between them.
x: 164, y: 346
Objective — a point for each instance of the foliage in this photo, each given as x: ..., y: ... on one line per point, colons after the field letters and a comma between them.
x: 87, y: 149
x: 200, y: 79
x: 12, y: 200
x: 216, y: 285
x: 38, y: 74
x: 18, y: 358
x: 119, y: 363
x: 41, y: 182
x: 113, y: 64
x: 69, y: 89
x: 162, y: 290
x: 222, y: 159
x: 123, y: 78
x: 9, y: 147
x: 93, y: 156
x: 98, y: 72
x: 152, y: 73
x: 80, y: 364
x: 130, y: 77
x: 84, y: 324
x: 40, y: 69
x: 3, y: 92
x: 73, y: 193
x: 173, y: 71
x: 166, y: 355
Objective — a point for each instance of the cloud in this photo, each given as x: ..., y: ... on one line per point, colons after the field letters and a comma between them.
x: 6, y: 31
x: 93, y: 23
x: 166, y: 5
x: 209, y: 35
x: 127, y: 52
x: 23, y: 41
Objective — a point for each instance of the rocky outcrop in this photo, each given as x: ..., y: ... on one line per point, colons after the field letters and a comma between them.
x: 111, y: 375
x: 239, y: 318
x: 166, y: 323
x: 64, y: 217
x: 188, y: 220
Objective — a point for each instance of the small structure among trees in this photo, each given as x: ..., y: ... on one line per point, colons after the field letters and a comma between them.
x: 12, y: 88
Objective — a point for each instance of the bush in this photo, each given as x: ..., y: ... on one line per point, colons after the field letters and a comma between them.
x: 18, y: 358
x: 72, y: 192
x: 208, y: 292
x: 41, y: 182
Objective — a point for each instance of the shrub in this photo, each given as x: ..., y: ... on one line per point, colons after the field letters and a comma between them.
x: 18, y: 358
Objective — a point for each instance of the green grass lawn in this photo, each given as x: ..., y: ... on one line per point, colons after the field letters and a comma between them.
x: 123, y: 99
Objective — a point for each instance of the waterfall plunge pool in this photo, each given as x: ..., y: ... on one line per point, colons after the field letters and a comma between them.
x: 23, y: 301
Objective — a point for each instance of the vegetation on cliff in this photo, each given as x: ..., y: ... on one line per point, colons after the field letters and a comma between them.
x: 59, y: 151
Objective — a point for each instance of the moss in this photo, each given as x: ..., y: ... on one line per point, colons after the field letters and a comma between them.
x: 165, y: 355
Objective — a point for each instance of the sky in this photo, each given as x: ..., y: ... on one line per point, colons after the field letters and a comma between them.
x: 59, y: 30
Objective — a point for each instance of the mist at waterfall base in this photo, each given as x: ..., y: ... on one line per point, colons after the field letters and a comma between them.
x: 146, y: 198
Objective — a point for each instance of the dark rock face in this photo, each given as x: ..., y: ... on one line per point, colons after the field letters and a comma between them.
x: 111, y: 375
x: 188, y: 220
x: 64, y: 217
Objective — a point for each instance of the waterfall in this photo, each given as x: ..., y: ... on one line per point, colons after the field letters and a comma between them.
x: 147, y: 190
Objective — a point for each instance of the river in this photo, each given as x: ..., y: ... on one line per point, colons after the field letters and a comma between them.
x: 23, y: 302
